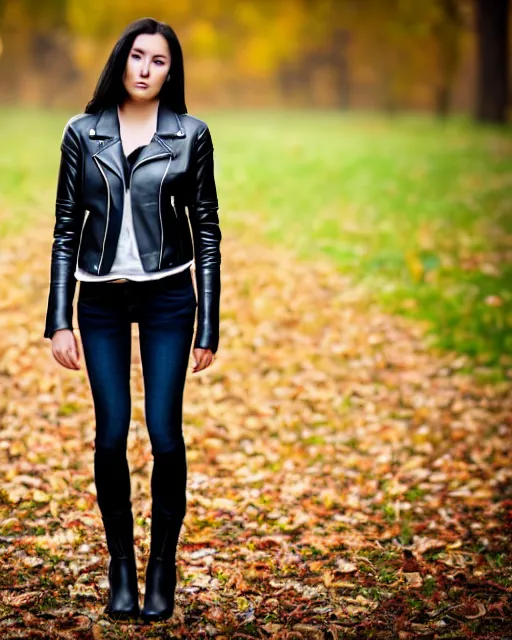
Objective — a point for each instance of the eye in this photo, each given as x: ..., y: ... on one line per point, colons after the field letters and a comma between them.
x: 160, y: 62
x: 135, y: 55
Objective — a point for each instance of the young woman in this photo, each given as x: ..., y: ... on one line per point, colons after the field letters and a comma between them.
x: 132, y: 166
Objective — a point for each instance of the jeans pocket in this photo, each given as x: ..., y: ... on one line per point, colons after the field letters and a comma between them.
x: 90, y: 293
x: 182, y: 297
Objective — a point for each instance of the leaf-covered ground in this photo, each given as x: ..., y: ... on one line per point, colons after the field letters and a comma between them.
x: 344, y: 481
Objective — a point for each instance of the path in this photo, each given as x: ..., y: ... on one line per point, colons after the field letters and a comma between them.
x: 341, y: 477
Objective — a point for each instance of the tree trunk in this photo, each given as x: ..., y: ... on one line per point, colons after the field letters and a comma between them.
x: 341, y: 44
x: 492, y: 33
x: 447, y: 33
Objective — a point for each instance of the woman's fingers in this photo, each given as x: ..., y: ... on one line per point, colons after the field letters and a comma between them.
x: 72, y: 360
x: 200, y: 363
x: 65, y: 349
x: 74, y: 355
x: 63, y: 358
x: 204, y: 357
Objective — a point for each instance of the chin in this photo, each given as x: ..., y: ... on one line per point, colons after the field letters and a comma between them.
x: 143, y: 96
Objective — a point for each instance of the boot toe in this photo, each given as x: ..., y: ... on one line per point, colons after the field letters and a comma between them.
x: 160, y: 590
x: 123, y: 597
x: 122, y: 614
x: 157, y: 617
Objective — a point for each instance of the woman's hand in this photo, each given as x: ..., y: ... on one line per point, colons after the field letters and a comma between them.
x: 203, y: 358
x: 65, y: 348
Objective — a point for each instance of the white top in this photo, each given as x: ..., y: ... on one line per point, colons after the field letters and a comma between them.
x: 127, y: 263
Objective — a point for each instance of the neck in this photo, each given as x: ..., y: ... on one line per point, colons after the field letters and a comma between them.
x: 139, y: 110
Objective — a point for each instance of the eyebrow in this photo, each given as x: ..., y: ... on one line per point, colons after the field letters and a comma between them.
x: 157, y: 55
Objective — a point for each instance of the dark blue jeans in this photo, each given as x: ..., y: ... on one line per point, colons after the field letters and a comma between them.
x: 165, y: 311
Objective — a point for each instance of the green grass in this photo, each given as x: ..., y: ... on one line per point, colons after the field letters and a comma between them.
x: 418, y: 211
x: 29, y: 155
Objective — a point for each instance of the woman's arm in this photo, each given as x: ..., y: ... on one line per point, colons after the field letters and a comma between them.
x: 69, y: 218
x: 207, y: 236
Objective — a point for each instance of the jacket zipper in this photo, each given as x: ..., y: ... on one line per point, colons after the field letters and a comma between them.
x: 137, y: 164
x: 108, y: 212
x: 161, y: 155
x: 86, y: 215
x: 190, y: 232
x: 160, y: 213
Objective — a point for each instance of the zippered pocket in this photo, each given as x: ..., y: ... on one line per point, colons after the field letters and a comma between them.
x: 86, y: 216
x: 186, y: 209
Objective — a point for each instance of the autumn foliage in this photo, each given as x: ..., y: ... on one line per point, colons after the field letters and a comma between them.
x: 343, y: 481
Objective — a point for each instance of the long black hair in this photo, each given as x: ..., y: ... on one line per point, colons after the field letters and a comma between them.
x: 110, y: 90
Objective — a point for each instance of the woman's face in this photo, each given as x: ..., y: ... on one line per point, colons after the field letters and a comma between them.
x: 147, y: 66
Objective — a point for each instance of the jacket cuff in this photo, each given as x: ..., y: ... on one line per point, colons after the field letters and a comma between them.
x: 208, y: 287
x: 59, y: 313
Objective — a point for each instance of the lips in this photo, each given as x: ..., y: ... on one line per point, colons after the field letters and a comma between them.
x: 141, y: 85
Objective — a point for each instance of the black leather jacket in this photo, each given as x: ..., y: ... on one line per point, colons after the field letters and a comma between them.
x: 174, y: 172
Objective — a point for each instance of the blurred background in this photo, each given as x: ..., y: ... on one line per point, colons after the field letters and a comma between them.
x: 346, y: 54
x: 372, y: 133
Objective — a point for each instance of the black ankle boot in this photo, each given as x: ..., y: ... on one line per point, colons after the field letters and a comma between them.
x: 123, y: 598
x: 161, y: 569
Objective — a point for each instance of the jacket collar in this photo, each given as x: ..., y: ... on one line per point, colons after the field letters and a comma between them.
x: 168, y: 123
x: 110, y: 152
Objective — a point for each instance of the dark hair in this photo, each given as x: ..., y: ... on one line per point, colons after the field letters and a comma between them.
x: 110, y: 90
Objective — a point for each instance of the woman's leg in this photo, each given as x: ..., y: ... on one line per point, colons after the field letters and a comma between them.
x: 166, y: 328
x: 166, y: 332
x: 105, y: 328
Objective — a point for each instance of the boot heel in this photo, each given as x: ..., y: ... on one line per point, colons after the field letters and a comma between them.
x: 160, y: 591
x: 161, y: 575
x: 123, y: 598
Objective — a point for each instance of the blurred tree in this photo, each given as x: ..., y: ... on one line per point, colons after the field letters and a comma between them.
x: 404, y: 51
x: 446, y: 27
x: 492, y: 19
x: 324, y: 33
x: 35, y: 51
x: 393, y: 54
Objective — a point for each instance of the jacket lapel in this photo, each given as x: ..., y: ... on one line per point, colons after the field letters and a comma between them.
x: 110, y: 152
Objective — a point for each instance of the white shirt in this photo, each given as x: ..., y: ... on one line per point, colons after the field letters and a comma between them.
x: 127, y: 263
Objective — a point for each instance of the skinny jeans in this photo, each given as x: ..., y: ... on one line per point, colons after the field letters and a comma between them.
x: 165, y: 311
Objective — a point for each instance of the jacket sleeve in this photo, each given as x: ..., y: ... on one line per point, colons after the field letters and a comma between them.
x: 69, y: 218
x: 204, y: 221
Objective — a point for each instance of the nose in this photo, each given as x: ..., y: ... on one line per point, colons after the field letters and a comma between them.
x: 145, y: 69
